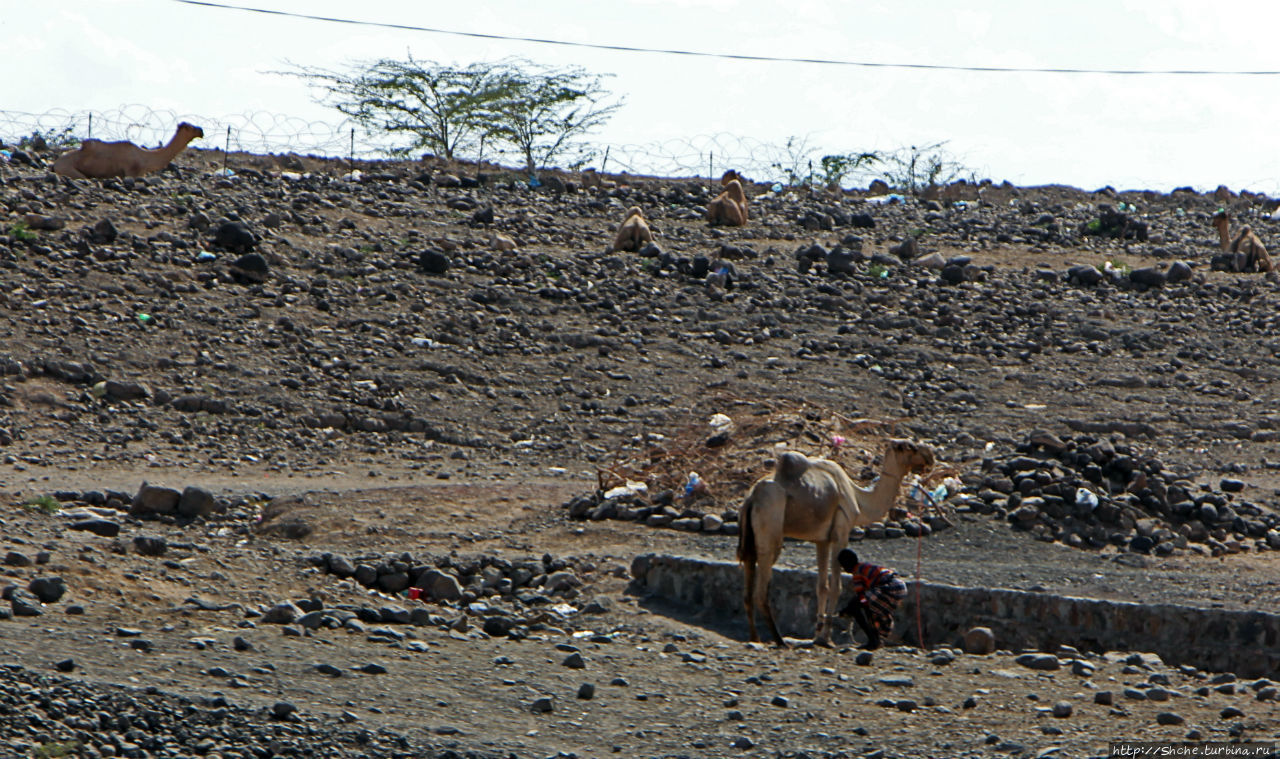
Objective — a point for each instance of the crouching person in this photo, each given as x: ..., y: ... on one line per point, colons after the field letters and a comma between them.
x: 877, y: 591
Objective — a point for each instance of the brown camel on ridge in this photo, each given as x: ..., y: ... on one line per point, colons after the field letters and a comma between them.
x: 633, y: 233
x: 814, y: 500
x: 99, y: 160
x: 730, y: 206
x: 1248, y: 253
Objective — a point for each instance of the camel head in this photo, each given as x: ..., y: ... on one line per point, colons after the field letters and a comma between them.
x: 634, y: 211
x: 904, y: 456
x: 1222, y: 220
x: 730, y: 176
x: 188, y: 132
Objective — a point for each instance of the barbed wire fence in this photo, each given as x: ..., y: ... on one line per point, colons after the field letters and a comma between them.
x: 263, y: 133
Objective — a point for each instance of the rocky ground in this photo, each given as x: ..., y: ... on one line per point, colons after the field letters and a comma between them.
x: 407, y: 377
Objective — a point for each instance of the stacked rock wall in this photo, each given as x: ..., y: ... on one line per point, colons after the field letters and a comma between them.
x: 1245, y: 642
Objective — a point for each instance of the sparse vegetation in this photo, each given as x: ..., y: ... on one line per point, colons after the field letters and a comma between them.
x: 20, y: 231
x: 59, y: 749
x: 46, y: 503
x: 913, y: 168
x: 540, y: 112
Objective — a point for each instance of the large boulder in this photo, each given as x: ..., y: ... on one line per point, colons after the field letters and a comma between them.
x: 153, y: 499
x: 439, y: 586
x: 196, y: 502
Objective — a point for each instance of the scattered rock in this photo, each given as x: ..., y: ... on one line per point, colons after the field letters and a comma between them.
x: 980, y: 641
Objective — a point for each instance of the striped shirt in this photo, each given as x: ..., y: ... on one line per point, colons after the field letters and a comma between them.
x: 867, y: 576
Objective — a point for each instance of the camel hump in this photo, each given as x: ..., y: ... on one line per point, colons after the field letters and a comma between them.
x: 791, y: 466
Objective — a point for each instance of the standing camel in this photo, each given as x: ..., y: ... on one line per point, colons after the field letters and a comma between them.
x: 814, y: 500
x: 99, y: 160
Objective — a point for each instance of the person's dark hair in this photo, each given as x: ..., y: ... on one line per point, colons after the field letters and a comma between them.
x: 848, y: 559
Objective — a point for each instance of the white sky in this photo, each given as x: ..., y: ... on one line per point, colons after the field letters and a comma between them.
x: 1155, y: 132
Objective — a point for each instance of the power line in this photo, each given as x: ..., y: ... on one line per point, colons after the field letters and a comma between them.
x: 735, y: 56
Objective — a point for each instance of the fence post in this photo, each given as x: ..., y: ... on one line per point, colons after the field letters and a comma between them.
x: 711, y: 167
x: 226, y: 151
x: 90, y: 125
x: 605, y: 162
x: 351, y: 160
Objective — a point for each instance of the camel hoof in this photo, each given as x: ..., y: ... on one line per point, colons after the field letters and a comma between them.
x: 822, y: 642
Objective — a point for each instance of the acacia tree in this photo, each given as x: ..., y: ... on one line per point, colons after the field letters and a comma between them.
x: 546, y: 112
x: 444, y: 109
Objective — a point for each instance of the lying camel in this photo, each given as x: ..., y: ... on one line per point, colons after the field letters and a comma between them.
x: 633, y: 233
x: 730, y: 206
x: 99, y: 160
x: 814, y: 500
x: 1247, y: 252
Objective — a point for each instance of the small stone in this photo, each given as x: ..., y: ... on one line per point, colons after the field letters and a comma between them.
x: 47, y: 589
x: 283, y: 710
x: 15, y: 559
x: 146, y: 545
x: 66, y: 665
x: 586, y: 691
x: 1103, y: 697
x: 1062, y: 709
x: 102, y: 527
x: 863, y: 659
x: 234, y: 236
x: 152, y: 499
x: 780, y: 701
x: 24, y: 604
x: 1169, y: 718
x: 542, y: 705
x: 433, y: 262
x: 1229, y: 485
x: 195, y: 502
x: 325, y: 668
x: 1042, y: 662
x: 906, y: 705
x: 1231, y: 712
x: 742, y: 742
x: 240, y: 644
x: 980, y: 641
x: 281, y: 614
x: 373, y: 668
x: 574, y: 661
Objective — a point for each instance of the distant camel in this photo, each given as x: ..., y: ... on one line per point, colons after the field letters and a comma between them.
x: 99, y: 160
x: 1246, y: 251
x: 814, y: 500
x: 730, y: 206
x: 633, y: 234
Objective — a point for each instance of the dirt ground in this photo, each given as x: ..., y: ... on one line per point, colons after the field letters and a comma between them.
x: 454, y: 416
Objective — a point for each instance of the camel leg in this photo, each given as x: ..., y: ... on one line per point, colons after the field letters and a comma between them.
x: 749, y: 599
x: 822, y: 629
x: 762, y: 597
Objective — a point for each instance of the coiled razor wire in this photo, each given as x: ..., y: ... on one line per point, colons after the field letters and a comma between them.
x: 262, y: 132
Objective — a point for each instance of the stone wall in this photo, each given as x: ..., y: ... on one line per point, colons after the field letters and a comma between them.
x: 1218, y: 640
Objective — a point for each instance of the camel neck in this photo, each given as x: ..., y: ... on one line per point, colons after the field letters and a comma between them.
x: 1225, y: 234
x: 881, y: 496
x: 174, y: 146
